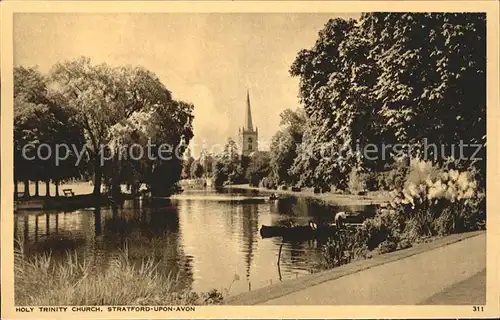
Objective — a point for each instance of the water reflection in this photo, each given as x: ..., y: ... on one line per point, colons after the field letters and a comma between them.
x: 206, y: 241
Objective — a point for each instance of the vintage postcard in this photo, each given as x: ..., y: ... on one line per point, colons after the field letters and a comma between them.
x: 226, y: 159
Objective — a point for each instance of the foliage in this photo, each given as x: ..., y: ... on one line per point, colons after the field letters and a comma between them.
x: 437, y: 201
x: 373, y: 81
x: 40, y: 120
x: 78, y: 281
x: 433, y: 201
x: 80, y: 103
x: 268, y: 183
x: 258, y: 168
x: 344, y: 247
x: 186, y: 167
x: 229, y: 167
x: 392, y: 179
x: 357, y: 181
x: 283, y: 149
x: 196, y: 170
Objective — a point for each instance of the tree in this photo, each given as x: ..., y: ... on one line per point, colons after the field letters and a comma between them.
x: 186, y: 167
x: 170, y: 124
x: 39, y: 120
x: 324, y: 91
x: 258, y: 168
x: 284, y: 146
x: 196, y: 169
x: 103, y: 97
x: 374, y: 81
x: 229, y: 168
x: 433, y: 92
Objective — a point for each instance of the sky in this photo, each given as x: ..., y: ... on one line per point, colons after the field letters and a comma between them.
x: 209, y: 60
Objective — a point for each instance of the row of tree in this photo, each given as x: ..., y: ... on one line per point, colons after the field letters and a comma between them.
x: 99, y: 109
x: 389, y: 78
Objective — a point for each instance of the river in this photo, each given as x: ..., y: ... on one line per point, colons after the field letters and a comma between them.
x: 206, y: 238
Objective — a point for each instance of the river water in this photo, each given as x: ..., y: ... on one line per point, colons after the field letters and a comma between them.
x: 206, y: 238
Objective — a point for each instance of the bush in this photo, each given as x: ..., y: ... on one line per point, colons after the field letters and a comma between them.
x: 433, y: 201
x: 393, y: 179
x: 357, y: 182
x: 268, y: 183
x: 347, y: 245
x: 437, y: 201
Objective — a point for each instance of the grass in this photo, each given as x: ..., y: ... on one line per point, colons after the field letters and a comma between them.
x: 42, y: 280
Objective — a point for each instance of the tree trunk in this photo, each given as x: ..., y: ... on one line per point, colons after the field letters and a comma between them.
x: 57, y: 188
x: 16, y: 190
x: 115, y: 190
x: 97, y: 178
x: 37, y: 189
x: 47, y: 188
x: 134, y: 188
x: 26, y: 188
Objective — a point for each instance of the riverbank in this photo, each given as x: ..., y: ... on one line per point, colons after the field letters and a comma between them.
x: 78, y: 280
x: 379, y: 280
x: 374, y: 198
x: 61, y: 202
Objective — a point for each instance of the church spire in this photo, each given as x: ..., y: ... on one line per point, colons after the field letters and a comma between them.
x: 248, y: 122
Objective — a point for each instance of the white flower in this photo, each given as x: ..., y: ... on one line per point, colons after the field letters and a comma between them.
x: 468, y: 194
x: 412, y: 189
x: 451, y: 194
x: 429, y: 182
x: 444, y: 176
x: 454, y: 175
x: 463, y: 181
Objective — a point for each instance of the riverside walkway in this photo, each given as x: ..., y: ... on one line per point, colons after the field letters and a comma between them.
x: 448, y: 271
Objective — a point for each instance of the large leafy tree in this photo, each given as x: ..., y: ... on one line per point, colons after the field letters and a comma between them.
x: 229, y: 167
x: 116, y: 105
x: 429, y: 89
x: 284, y: 145
x: 325, y: 91
x: 40, y: 120
x: 258, y: 167
x: 408, y: 78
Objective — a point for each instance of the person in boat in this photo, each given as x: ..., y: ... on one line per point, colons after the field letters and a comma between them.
x: 339, y: 219
x: 273, y: 197
x: 313, y: 225
x: 290, y: 224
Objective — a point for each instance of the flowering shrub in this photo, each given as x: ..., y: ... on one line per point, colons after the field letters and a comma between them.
x: 437, y: 201
x: 432, y: 201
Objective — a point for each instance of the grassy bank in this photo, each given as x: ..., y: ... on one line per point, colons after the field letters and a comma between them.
x: 41, y: 280
x: 333, y: 198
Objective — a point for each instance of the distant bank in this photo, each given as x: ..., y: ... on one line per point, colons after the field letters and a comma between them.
x: 332, y: 198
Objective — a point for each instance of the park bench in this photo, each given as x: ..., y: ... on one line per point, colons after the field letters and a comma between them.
x: 68, y: 192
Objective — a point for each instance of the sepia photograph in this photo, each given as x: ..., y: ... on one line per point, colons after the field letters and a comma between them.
x: 168, y: 161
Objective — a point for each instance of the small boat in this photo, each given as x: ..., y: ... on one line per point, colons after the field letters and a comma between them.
x: 309, y: 231
x: 350, y: 218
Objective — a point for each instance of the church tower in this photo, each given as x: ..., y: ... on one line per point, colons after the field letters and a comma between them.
x: 248, y: 136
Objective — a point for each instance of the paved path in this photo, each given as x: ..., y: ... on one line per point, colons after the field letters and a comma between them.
x: 467, y: 292
x: 446, y: 274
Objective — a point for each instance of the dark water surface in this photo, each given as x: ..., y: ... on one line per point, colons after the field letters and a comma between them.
x: 206, y: 238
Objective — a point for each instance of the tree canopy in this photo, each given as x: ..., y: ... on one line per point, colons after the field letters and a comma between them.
x: 105, y: 108
x: 389, y: 78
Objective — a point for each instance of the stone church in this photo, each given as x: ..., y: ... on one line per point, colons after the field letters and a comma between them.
x: 248, y: 136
